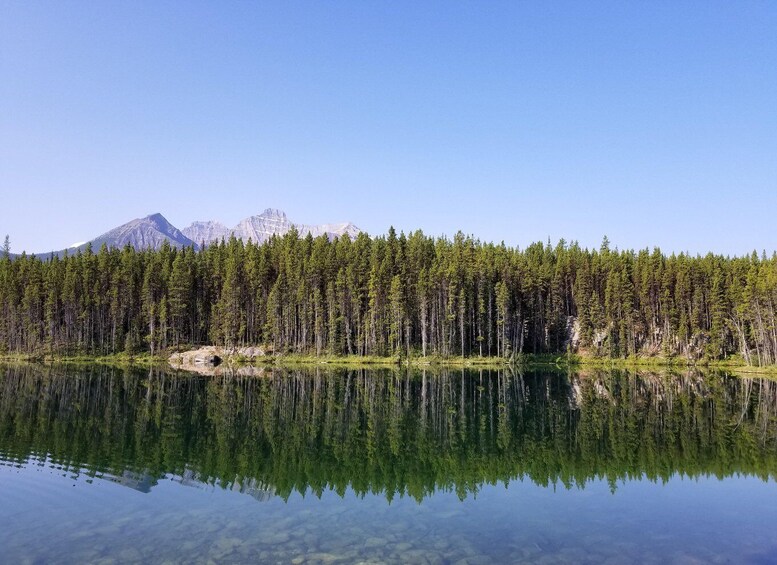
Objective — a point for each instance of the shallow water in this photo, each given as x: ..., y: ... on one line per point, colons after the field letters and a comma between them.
x: 99, y: 465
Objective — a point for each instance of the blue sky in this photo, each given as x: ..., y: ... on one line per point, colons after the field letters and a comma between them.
x: 654, y: 123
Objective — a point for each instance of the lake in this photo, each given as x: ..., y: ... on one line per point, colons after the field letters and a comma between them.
x: 104, y: 465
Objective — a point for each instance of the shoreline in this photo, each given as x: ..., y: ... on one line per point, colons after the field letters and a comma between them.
x: 566, y: 362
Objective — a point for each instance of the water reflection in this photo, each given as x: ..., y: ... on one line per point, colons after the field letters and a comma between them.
x: 388, y: 432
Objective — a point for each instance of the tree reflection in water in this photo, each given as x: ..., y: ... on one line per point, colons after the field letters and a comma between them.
x: 385, y: 431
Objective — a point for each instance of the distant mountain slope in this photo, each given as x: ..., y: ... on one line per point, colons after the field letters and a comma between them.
x: 332, y: 230
x: 141, y: 233
x: 263, y: 226
x: 205, y: 232
x: 152, y: 231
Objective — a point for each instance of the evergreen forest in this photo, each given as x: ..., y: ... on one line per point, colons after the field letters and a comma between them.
x: 393, y: 295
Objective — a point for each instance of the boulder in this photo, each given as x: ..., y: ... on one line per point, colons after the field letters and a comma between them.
x: 207, y: 359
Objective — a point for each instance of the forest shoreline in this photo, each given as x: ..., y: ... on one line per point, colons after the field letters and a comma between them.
x: 393, y: 295
x: 528, y: 361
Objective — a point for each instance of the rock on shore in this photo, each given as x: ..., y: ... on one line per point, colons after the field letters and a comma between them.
x: 205, y: 359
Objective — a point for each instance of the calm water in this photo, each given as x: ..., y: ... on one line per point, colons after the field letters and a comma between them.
x: 100, y: 465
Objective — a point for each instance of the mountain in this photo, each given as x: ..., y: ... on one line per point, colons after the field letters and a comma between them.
x: 334, y: 230
x: 141, y: 233
x: 152, y: 231
x: 205, y: 232
x: 262, y: 227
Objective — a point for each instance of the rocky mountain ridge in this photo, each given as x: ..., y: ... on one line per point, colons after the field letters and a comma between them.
x: 153, y: 230
x: 142, y: 233
x: 262, y: 227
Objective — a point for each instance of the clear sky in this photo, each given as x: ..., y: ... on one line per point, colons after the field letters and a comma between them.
x: 654, y: 123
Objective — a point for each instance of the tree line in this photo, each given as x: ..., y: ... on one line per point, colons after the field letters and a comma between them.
x: 393, y: 295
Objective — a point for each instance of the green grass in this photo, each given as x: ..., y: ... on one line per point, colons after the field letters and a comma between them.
x: 734, y: 364
x: 116, y: 359
x: 375, y: 360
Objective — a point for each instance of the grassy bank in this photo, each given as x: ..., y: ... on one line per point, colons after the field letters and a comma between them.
x: 372, y: 360
x: 529, y: 361
x: 117, y: 359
